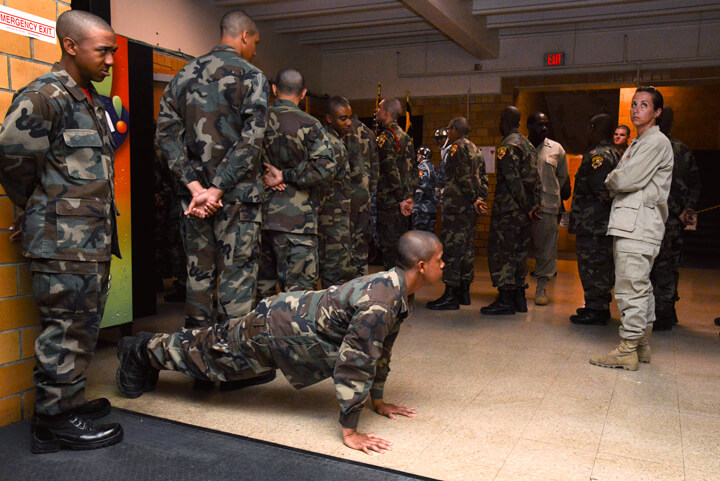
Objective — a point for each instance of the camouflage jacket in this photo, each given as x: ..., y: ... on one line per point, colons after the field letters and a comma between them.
x: 426, y: 197
x: 397, y: 179
x: 685, y: 187
x: 211, y: 125
x: 345, y: 332
x: 591, y: 199
x: 362, y: 151
x: 296, y: 143
x: 335, y: 208
x: 56, y: 163
x: 518, y: 185
x: 465, y: 177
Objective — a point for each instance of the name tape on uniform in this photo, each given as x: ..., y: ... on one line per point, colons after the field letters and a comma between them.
x: 23, y: 23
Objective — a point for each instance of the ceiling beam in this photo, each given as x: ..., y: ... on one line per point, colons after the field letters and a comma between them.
x: 454, y: 19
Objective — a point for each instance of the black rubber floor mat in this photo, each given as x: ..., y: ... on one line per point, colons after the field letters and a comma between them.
x: 158, y: 449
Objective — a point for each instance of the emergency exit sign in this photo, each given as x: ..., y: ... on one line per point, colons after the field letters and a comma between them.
x: 554, y: 59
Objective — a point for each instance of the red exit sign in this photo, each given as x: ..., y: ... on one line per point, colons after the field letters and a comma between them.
x: 554, y: 59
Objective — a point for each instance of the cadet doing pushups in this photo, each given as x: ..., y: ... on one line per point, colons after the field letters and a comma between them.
x: 684, y: 194
x: 56, y: 163
x: 517, y: 201
x: 589, y: 216
x: 210, y: 130
x: 426, y: 194
x: 345, y: 332
x: 300, y: 165
x: 397, y: 181
x: 463, y: 199
x: 362, y: 152
x: 335, y: 242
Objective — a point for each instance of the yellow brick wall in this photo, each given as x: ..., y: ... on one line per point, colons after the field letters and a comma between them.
x: 21, y: 60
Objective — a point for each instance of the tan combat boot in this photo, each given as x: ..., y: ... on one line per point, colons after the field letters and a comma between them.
x: 624, y: 355
x: 643, y: 349
x: 541, y: 298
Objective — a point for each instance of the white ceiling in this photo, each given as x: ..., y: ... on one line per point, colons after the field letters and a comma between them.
x: 477, y: 26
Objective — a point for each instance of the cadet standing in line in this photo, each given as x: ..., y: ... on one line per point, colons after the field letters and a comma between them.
x: 346, y: 333
x: 621, y: 138
x: 640, y: 185
x: 362, y: 151
x: 56, y: 164
x: 589, y: 216
x: 210, y: 130
x: 300, y: 165
x: 334, y: 230
x: 397, y: 181
x: 517, y: 201
x: 684, y: 194
x: 426, y: 194
x: 553, y: 173
x: 463, y: 198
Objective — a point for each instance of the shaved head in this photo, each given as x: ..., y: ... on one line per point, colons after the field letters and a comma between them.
x: 461, y: 125
x: 290, y: 82
x: 392, y: 107
x: 415, y: 246
x: 235, y: 22
x: 601, y: 128
x: 509, y: 120
x: 76, y: 24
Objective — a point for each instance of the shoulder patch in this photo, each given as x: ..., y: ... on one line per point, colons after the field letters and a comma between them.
x: 597, y: 161
x: 453, y: 149
x: 381, y: 140
x: 501, y: 151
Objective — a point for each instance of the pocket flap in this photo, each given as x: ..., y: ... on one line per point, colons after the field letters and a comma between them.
x: 82, y: 207
x: 630, y: 201
x: 82, y: 138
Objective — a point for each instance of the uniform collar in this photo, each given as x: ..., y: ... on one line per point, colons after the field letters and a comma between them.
x: 404, y: 304
x: 286, y: 103
x: 69, y: 83
x: 225, y: 48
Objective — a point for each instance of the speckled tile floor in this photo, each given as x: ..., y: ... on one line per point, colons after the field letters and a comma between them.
x: 499, y: 398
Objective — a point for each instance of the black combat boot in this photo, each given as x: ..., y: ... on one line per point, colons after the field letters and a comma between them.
x: 504, y: 305
x: 95, y: 409
x: 593, y: 317
x: 464, y: 294
x: 71, y: 431
x: 226, y: 386
x: 449, y: 301
x: 519, y: 299
x: 664, y: 319
x: 135, y: 375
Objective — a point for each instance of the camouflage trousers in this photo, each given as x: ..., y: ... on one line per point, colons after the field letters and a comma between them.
x: 334, y: 246
x: 633, y: 290
x: 424, y: 221
x: 226, y: 351
x: 596, y: 268
x: 70, y: 297
x: 391, y: 224
x: 508, y: 246
x: 223, y: 254
x: 544, y: 245
x: 169, y: 252
x: 458, y: 236
x: 288, y: 262
x: 361, y: 237
x: 665, y: 272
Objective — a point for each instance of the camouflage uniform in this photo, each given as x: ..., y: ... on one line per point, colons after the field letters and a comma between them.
x: 684, y: 194
x: 426, y: 197
x: 589, y: 216
x: 345, y: 332
x: 397, y: 182
x: 210, y: 130
x: 517, y: 191
x: 362, y: 154
x: 334, y: 221
x: 295, y: 143
x: 465, y: 182
x: 56, y: 163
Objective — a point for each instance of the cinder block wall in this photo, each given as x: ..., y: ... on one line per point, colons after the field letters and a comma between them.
x: 21, y: 60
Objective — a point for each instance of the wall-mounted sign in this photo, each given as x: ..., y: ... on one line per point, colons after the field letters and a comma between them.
x: 23, y: 23
x: 554, y: 59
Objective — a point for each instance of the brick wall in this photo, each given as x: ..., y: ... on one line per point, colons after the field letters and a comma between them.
x: 21, y: 60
